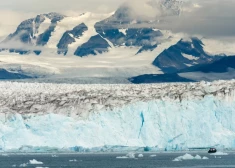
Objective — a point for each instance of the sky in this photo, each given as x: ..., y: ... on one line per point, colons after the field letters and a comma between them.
x: 44, y: 6
x: 214, y: 18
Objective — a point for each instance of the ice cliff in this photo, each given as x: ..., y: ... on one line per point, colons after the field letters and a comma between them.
x: 163, y: 116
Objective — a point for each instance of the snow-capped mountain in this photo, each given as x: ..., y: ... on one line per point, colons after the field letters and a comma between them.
x: 34, y: 32
x: 186, y: 53
x: 124, y: 27
x: 125, y: 45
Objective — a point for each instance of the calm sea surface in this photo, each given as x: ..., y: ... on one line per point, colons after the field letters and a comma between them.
x: 110, y: 161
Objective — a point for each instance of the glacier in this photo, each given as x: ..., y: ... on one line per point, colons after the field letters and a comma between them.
x: 177, y: 116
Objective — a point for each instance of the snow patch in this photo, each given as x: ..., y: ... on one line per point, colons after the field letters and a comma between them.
x: 123, y: 31
x: 190, y: 57
x: 43, y: 26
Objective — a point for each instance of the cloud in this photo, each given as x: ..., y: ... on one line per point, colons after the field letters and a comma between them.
x: 209, y: 18
x: 212, y: 18
x: 9, y: 20
x: 42, y: 6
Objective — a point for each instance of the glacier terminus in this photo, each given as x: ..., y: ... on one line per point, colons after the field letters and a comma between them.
x: 72, y: 117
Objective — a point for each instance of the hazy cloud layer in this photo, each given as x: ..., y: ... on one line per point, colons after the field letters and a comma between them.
x: 215, y: 18
x: 41, y: 6
x: 211, y: 18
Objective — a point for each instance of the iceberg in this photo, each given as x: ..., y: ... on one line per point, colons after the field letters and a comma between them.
x: 189, y: 157
x: 81, y: 118
x: 34, y: 161
x: 128, y: 156
x: 205, y: 158
x: 140, y: 155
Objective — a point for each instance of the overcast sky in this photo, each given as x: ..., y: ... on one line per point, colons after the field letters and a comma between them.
x: 214, y: 18
x: 59, y: 5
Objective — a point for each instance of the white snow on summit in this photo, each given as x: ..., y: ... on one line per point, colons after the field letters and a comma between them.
x: 68, y: 23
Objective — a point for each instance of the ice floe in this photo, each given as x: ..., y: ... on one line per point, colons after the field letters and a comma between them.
x: 219, y: 154
x: 130, y: 155
x: 189, y: 157
x: 34, y: 161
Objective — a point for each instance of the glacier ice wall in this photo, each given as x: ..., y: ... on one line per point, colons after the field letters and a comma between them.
x: 164, y: 116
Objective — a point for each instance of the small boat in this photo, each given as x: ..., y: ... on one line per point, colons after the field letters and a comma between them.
x: 212, y: 150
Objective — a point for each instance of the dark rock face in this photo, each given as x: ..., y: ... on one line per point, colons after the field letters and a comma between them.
x: 19, y: 51
x: 219, y: 66
x: 26, y: 30
x: 133, y: 36
x: 55, y: 17
x: 79, y: 30
x: 44, y: 37
x: 172, y: 59
x: 141, y: 37
x: 151, y: 78
x: 95, y: 44
x: 147, y: 48
x: 23, y: 33
x: 67, y: 39
x: 64, y: 42
x: 109, y: 28
x: 37, y: 52
x: 136, y: 34
x: 9, y: 75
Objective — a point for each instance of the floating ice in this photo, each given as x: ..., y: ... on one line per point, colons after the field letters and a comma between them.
x: 205, y: 158
x: 189, y: 157
x: 23, y: 165
x: 176, y: 160
x: 152, y: 155
x: 122, y: 157
x: 73, y: 160
x: 140, y: 155
x: 219, y: 154
x: 130, y: 155
x: 198, y: 157
x: 35, y: 162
